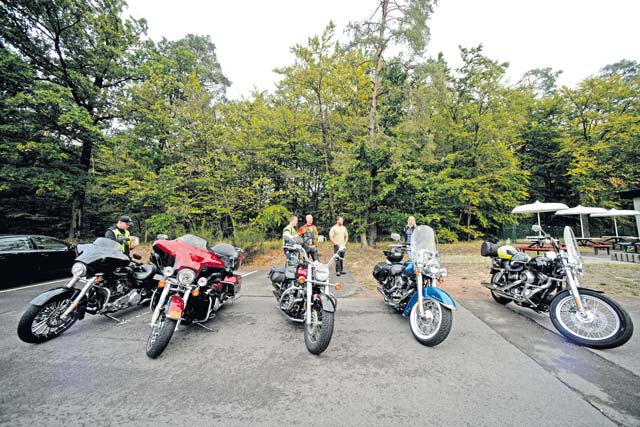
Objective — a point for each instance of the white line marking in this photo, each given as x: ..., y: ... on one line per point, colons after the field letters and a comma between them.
x: 33, y: 286
x: 246, y: 274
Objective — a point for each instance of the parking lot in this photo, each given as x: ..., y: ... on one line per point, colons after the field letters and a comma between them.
x: 498, y: 367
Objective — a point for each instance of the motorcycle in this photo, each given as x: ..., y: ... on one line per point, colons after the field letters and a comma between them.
x: 194, y: 284
x: 301, y: 289
x: 550, y: 283
x: 111, y: 282
x: 410, y: 287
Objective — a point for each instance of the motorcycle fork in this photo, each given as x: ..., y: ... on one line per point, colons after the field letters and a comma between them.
x: 573, y: 285
x: 309, y: 286
x: 420, y: 296
x: 76, y: 301
x: 160, y: 304
x: 185, y: 298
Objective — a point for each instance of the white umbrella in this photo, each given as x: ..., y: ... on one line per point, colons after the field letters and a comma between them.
x: 581, y: 210
x: 614, y: 213
x: 539, y: 207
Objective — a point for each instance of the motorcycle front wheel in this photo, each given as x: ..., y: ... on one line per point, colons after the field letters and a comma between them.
x: 160, y: 335
x: 605, y: 324
x: 41, y: 323
x: 317, y: 334
x: 435, y: 326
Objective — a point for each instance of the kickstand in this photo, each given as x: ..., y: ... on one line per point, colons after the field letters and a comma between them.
x: 115, y: 319
x: 205, y: 327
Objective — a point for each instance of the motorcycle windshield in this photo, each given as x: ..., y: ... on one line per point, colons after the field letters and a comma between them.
x: 423, y: 237
x: 100, y: 248
x: 193, y: 240
x: 572, y: 249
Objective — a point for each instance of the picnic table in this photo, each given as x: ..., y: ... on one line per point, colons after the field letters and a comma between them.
x: 621, y: 241
x: 588, y: 241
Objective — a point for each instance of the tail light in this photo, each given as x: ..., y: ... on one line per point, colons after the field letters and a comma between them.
x: 176, y: 307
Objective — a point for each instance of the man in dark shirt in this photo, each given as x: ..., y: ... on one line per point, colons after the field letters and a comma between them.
x: 120, y: 233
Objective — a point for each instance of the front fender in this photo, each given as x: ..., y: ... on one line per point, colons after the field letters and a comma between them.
x: 326, y: 302
x: 41, y: 299
x: 435, y: 294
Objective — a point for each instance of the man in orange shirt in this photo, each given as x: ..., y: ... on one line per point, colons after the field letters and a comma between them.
x: 309, y: 234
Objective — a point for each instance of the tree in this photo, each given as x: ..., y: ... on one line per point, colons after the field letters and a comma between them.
x: 392, y: 23
x: 86, y: 50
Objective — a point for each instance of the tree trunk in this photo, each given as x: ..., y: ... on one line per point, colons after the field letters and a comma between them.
x: 77, y: 204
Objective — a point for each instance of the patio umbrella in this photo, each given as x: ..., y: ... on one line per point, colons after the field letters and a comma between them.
x: 581, y: 210
x: 539, y: 207
x: 614, y: 213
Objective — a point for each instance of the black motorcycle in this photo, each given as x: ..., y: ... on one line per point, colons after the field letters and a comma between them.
x: 549, y: 283
x: 303, y: 295
x: 111, y: 282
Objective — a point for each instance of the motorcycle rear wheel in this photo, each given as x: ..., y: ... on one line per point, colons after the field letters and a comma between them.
x: 607, y: 325
x: 41, y: 323
x: 436, y: 328
x: 160, y: 336
x: 317, y: 334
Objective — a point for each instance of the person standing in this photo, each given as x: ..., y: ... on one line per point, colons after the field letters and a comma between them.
x: 120, y: 233
x: 408, y: 230
x: 291, y: 232
x: 339, y: 237
x: 309, y: 234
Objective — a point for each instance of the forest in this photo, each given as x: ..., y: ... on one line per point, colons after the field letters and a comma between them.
x: 98, y: 120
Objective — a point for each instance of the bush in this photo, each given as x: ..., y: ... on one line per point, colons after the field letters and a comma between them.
x: 250, y: 239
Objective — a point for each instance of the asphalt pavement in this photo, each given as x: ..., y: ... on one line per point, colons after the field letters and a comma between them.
x: 497, y: 368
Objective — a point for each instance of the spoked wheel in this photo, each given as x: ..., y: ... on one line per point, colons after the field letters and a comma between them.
x: 498, y: 298
x: 317, y: 334
x: 435, y: 326
x: 605, y: 323
x: 42, y: 323
x: 160, y: 335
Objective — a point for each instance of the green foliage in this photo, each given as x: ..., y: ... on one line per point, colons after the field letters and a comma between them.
x: 144, y: 128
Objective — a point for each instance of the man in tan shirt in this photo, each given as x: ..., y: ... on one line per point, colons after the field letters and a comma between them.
x: 339, y: 237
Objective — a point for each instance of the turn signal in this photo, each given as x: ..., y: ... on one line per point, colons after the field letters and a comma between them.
x: 441, y: 280
x: 99, y: 279
x: 195, y: 292
x: 301, y: 279
x: 162, y: 283
x: 338, y: 286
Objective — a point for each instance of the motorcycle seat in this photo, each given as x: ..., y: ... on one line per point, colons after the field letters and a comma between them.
x: 143, y: 272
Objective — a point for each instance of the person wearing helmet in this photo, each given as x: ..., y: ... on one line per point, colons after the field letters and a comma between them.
x: 120, y: 233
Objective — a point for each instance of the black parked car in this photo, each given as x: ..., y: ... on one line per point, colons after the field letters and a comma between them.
x: 27, y: 259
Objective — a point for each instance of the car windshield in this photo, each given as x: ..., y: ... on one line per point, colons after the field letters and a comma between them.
x: 193, y: 240
x: 423, y: 237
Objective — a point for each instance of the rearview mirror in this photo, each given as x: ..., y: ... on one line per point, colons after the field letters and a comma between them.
x: 136, y: 256
x: 395, y: 236
x: 162, y: 237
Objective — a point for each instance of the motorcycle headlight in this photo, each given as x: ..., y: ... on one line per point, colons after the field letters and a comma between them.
x: 79, y: 269
x: 202, y: 281
x: 444, y: 272
x: 167, y: 271
x: 186, y: 276
x: 433, y: 266
x: 322, y: 273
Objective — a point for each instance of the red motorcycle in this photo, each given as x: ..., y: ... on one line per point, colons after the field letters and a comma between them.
x: 195, y: 282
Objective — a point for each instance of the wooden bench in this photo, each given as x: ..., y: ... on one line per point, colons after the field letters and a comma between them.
x: 597, y: 246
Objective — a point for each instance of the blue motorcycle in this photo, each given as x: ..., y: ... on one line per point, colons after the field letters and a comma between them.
x: 410, y: 287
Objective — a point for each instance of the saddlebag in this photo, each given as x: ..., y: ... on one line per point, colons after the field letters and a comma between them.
x: 276, y: 275
x: 381, y: 271
x: 489, y: 249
